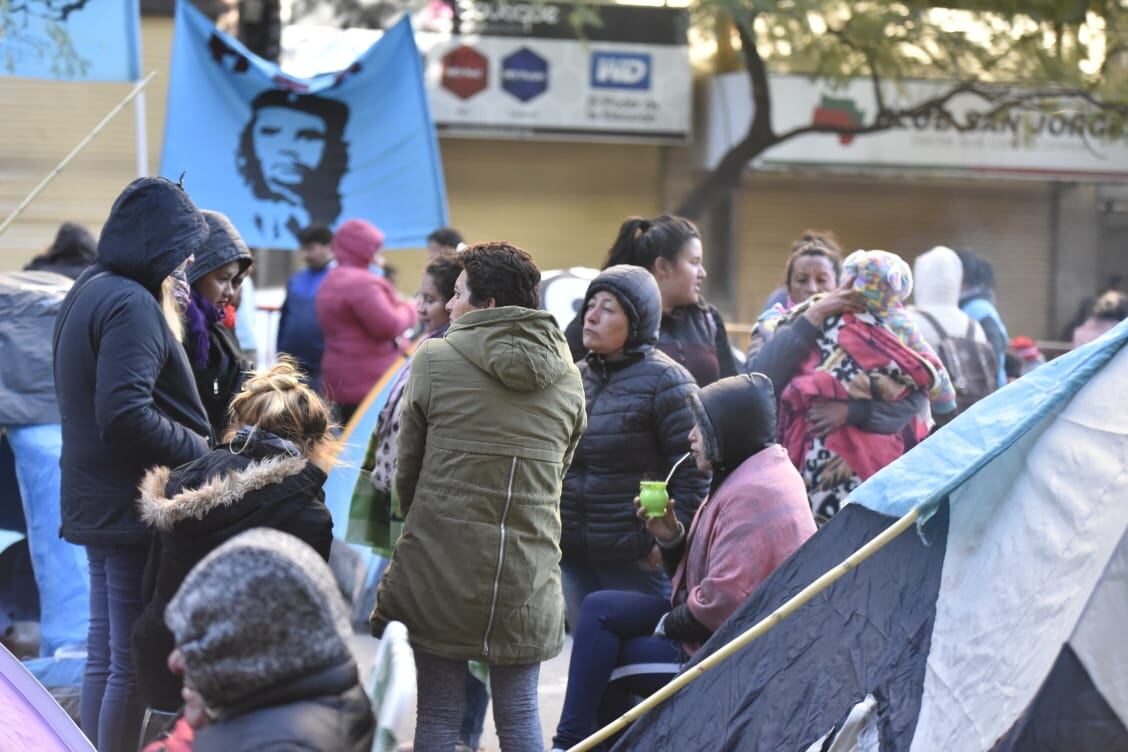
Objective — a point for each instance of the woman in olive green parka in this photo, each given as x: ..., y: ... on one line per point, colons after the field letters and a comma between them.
x: 491, y: 416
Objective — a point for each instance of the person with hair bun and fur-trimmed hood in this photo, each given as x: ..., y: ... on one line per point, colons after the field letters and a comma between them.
x: 268, y: 473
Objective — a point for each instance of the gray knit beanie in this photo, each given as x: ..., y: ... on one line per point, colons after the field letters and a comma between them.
x: 260, y: 610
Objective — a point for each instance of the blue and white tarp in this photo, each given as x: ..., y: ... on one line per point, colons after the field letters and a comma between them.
x: 998, y: 626
x: 276, y: 153
x: 30, y: 719
x: 80, y: 40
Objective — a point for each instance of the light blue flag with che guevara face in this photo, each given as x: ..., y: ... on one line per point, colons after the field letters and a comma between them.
x: 79, y: 40
x: 277, y: 153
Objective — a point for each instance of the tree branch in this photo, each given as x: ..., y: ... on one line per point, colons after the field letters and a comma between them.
x: 727, y: 174
x: 758, y: 77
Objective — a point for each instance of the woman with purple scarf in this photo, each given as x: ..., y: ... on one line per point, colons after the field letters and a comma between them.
x: 217, y: 361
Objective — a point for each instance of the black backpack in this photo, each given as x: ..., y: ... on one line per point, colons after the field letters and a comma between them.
x: 972, y: 365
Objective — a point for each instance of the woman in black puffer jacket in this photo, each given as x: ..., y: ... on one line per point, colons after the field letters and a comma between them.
x: 638, y: 426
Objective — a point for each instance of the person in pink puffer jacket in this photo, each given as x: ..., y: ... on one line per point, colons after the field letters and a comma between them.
x: 361, y: 316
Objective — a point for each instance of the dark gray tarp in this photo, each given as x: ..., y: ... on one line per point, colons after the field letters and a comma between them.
x: 29, y: 302
x: 1068, y: 714
x: 868, y: 634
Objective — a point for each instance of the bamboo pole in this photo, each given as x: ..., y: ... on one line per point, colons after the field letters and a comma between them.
x: 74, y: 152
x: 757, y: 630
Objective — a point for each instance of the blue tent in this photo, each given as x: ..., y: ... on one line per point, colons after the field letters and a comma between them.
x: 998, y: 626
x: 30, y: 719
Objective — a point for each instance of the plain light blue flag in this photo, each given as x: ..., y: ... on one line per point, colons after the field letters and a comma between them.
x: 79, y: 40
x: 276, y: 153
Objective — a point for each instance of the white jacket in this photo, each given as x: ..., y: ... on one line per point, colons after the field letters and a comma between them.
x: 937, y: 276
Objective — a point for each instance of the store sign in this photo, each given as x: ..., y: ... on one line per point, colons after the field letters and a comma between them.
x: 524, y: 74
x: 1069, y: 142
x: 519, y: 69
x: 465, y: 72
x: 620, y: 70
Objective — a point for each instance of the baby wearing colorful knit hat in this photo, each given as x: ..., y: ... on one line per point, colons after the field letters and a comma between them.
x: 884, y: 279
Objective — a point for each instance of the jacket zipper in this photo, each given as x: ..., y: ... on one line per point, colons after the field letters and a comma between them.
x: 500, y: 561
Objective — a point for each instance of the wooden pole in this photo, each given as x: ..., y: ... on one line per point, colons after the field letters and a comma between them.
x: 757, y: 630
x: 74, y: 152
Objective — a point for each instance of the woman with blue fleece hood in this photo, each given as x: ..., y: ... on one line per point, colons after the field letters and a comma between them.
x: 127, y: 401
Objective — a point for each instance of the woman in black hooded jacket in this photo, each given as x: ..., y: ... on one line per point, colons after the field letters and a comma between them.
x: 127, y: 402
x: 638, y: 427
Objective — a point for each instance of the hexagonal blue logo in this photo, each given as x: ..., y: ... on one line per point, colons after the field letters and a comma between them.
x: 524, y: 74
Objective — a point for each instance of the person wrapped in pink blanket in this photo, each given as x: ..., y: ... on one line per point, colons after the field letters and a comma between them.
x: 875, y: 354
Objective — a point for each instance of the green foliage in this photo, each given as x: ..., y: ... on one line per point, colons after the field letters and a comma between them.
x: 1064, y: 43
x: 1037, y: 57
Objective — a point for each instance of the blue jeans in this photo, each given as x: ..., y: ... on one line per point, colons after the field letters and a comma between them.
x: 60, y: 567
x: 581, y: 580
x: 614, y: 655
x: 111, y: 708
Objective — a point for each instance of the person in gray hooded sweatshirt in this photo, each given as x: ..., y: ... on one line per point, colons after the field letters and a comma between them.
x: 638, y: 427
x: 261, y: 638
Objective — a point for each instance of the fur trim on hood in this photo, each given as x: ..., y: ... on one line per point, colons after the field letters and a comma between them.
x: 161, y: 512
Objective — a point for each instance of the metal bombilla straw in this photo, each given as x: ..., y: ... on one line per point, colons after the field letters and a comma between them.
x: 684, y: 457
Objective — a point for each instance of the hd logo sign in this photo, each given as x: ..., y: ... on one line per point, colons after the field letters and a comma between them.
x: 620, y: 70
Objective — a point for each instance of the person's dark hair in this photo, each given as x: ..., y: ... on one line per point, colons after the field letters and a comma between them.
x: 320, y: 191
x: 316, y: 233
x: 826, y: 238
x: 815, y: 243
x: 641, y: 242
x: 977, y: 272
x: 448, y: 237
x: 1111, y: 306
x: 503, y: 272
x: 444, y: 269
x: 73, y: 242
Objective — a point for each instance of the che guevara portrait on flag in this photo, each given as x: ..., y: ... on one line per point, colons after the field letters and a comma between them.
x: 277, y: 153
x: 292, y: 155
